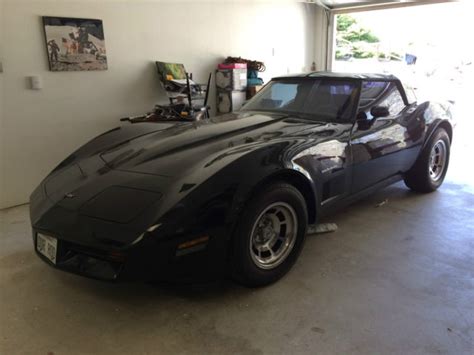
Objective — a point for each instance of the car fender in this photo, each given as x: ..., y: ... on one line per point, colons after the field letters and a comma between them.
x: 437, y: 115
x: 439, y: 124
x: 296, y: 178
x: 220, y: 197
x: 268, y: 164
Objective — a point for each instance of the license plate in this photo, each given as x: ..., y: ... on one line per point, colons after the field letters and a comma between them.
x: 47, y: 246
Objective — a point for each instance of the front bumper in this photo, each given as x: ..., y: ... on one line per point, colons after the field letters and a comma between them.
x: 148, y: 260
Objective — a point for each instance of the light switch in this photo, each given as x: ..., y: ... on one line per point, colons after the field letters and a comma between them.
x: 36, y: 82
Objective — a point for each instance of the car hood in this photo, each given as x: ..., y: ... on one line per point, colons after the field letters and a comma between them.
x: 177, y: 150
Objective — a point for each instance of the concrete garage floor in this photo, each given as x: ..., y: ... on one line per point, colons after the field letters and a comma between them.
x: 398, y: 278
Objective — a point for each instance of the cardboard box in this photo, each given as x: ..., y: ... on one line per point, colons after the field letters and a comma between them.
x: 231, y: 79
x: 230, y: 101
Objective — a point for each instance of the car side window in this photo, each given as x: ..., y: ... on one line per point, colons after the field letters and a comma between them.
x: 394, y: 101
x: 381, y: 93
x: 410, y: 94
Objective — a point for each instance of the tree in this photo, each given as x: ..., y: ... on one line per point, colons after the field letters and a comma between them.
x: 351, y: 35
x: 344, y: 22
x: 360, y: 35
x: 351, y: 31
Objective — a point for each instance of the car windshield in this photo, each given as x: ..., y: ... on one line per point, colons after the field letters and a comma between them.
x: 319, y: 99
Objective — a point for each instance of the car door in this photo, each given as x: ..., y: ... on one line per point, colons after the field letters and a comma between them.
x: 331, y: 103
x: 381, y: 146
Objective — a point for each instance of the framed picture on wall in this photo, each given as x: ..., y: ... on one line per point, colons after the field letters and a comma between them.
x: 74, y: 44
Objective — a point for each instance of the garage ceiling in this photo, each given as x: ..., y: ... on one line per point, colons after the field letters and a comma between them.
x: 335, y: 4
x: 375, y: 4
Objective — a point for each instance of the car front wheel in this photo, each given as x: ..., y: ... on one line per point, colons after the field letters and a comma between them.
x: 269, y: 236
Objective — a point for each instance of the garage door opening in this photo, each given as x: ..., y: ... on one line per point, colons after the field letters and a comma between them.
x: 427, y: 47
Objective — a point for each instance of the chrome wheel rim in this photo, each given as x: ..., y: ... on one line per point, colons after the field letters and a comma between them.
x: 437, y: 161
x: 273, y: 235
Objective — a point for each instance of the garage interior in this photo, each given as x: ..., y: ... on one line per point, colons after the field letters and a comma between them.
x: 396, y: 277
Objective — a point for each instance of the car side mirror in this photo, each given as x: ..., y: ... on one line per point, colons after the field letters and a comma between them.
x: 361, y: 116
x: 362, y: 121
x: 379, y: 111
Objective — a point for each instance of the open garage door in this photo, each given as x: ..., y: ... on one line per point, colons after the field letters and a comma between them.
x: 427, y: 47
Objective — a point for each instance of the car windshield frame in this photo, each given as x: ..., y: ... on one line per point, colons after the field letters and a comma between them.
x: 353, y: 98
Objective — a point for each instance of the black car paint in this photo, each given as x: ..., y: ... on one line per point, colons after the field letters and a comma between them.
x: 195, y: 178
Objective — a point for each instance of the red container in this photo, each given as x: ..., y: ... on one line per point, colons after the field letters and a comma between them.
x: 233, y: 66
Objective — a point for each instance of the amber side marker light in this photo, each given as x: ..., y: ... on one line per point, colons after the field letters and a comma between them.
x: 116, y: 255
x: 192, y: 246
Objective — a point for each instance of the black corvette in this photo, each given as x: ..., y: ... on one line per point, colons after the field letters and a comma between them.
x: 233, y: 195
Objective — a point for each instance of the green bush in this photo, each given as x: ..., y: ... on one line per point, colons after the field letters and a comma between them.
x: 344, y: 22
x: 361, y: 54
x: 360, y: 35
x: 368, y: 36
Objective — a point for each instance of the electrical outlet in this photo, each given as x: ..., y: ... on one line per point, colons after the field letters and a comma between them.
x: 36, y: 82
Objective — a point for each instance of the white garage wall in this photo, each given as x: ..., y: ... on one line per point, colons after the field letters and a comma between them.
x: 39, y: 128
x: 2, y: 31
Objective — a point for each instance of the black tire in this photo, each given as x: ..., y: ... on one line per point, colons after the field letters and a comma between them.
x: 245, y: 269
x: 418, y: 178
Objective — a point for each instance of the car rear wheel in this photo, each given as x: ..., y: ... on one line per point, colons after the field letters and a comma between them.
x: 269, y: 236
x: 430, y: 169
